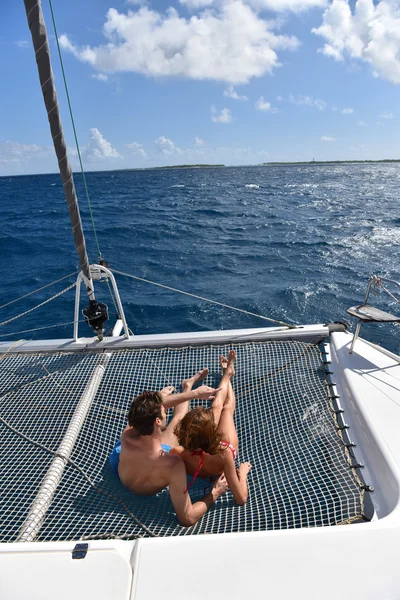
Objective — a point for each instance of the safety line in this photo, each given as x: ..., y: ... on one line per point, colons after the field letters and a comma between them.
x: 38, y: 305
x: 38, y: 290
x: 246, y: 312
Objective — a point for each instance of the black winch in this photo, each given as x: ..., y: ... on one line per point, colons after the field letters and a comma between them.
x: 96, y: 313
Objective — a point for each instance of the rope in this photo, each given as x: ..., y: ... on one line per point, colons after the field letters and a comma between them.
x: 82, y: 472
x: 38, y: 290
x: 38, y: 305
x: 73, y: 127
x: 10, y: 348
x: 387, y: 291
x: 39, y: 328
x: 246, y: 312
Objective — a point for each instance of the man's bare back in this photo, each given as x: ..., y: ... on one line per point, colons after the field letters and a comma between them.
x: 144, y: 466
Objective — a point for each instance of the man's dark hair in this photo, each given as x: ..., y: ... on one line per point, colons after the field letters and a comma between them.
x: 144, y: 411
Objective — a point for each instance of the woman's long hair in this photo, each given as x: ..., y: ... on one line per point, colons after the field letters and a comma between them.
x: 198, y: 430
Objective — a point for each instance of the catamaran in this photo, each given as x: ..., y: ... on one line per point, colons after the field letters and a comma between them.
x: 318, y: 417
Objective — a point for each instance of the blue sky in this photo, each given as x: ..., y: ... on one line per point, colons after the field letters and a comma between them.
x: 216, y: 81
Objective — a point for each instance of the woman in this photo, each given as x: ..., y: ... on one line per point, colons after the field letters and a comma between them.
x: 208, y: 439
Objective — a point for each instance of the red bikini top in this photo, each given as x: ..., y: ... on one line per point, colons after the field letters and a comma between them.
x: 201, y: 454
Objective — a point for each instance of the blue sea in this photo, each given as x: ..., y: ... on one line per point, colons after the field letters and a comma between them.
x: 294, y: 243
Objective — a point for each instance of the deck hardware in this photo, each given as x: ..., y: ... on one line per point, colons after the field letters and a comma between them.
x: 357, y: 466
x: 367, y: 488
x: 339, y: 411
x: 328, y: 372
x: 350, y: 445
x: 366, y: 313
x: 344, y: 426
x: 80, y: 551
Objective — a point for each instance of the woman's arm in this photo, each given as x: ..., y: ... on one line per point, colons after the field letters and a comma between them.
x: 237, y: 480
x: 188, y: 514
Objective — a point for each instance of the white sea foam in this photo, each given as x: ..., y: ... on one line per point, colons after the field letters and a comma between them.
x: 252, y: 186
x: 177, y: 185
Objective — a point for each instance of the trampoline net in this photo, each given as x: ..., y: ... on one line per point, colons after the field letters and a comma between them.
x: 300, y: 474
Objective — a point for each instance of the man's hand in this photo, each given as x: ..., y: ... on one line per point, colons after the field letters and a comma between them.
x: 204, y: 392
x: 167, y: 391
x: 243, y: 470
x: 219, y: 488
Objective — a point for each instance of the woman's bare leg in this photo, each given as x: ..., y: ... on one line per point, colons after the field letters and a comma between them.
x: 168, y: 436
x: 221, y: 395
x: 226, y: 424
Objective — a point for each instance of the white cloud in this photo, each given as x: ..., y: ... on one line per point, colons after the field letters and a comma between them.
x: 370, y: 33
x: 167, y: 147
x: 225, y: 116
x: 272, y: 5
x: 198, y: 142
x: 361, y: 124
x: 287, y: 5
x: 100, y: 76
x: 98, y: 149
x: 265, y: 106
x: 327, y: 138
x: 386, y: 115
x: 279, y: 98
x: 136, y: 148
x: 347, y: 111
x: 196, y: 4
x: 22, y: 43
x: 230, y: 92
x: 15, y: 153
x: 308, y: 101
x: 228, y: 43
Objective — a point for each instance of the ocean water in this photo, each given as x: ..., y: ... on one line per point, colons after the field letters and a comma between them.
x: 295, y: 243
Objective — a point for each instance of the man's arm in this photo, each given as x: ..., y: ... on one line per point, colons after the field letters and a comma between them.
x: 204, y: 392
x: 188, y: 514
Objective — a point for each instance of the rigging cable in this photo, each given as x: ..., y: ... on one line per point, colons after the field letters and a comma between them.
x: 73, y: 127
x: 38, y: 305
x: 206, y: 299
x: 78, y: 149
x: 40, y: 328
x: 39, y: 289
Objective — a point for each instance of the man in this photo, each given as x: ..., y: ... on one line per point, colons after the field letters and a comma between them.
x: 142, y: 460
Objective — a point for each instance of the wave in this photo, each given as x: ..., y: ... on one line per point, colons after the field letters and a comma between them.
x: 252, y: 186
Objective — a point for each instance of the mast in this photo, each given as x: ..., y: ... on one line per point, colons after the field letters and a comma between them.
x: 40, y: 43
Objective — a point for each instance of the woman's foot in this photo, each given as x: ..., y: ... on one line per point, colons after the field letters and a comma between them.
x: 227, y: 363
x: 187, y: 384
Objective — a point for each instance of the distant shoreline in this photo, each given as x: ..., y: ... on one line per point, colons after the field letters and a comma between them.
x: 210, y: 166
x: 199, y: 166
x: 331, y: 162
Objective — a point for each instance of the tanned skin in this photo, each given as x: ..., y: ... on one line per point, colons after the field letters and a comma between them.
x: 145, y: 468
x: 223, y: 407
